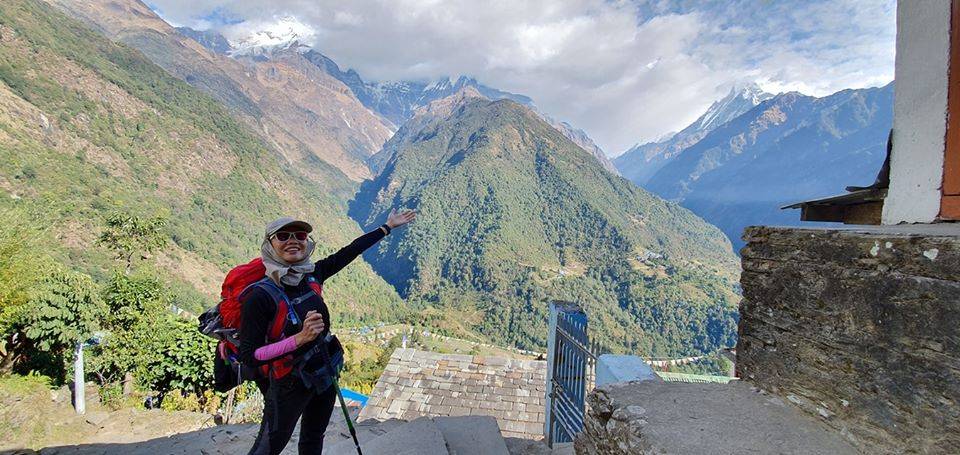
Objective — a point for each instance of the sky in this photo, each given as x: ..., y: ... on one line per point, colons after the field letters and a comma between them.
x: 626, y: 72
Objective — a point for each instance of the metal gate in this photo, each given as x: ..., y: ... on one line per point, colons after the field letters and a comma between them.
x: 571, y: 362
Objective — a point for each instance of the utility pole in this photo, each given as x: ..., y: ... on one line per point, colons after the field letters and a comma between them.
x: 79, y: 400
x: 79, y: 389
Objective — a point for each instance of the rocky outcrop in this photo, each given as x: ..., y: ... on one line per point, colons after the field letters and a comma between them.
x: 859, y: 327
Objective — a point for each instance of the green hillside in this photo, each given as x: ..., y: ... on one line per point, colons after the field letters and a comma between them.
x: 89, y: 128
x: 514, y: 215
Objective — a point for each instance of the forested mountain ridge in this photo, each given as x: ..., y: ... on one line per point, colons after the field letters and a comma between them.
x: 310, y: 116
x: 513, y: 215
x: 789, y: 148
x: 89, y: 128
x: 399, y: 101
x: 437, y: 109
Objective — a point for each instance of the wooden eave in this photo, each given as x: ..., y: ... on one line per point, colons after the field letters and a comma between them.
x: 863, y: 206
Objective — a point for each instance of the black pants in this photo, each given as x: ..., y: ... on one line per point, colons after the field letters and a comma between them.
x: 285, y: 401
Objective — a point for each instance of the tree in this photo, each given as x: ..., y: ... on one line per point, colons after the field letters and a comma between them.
x: 20, y: 240
x: 136, y: 313
x: 64, y: 308
x: 128, y: 235
x: 146, y: 339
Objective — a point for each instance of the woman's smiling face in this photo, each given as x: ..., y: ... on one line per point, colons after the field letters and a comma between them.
x: 293, y: 248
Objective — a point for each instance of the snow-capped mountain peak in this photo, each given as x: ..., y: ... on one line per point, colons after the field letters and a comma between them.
x: 738, y: 100
x: 642, y: 161
x: 248, y: 39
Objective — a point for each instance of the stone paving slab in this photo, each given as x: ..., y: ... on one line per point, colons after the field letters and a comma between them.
x: 419, y: 437
x: 652, y: 417
x: 472, y: 435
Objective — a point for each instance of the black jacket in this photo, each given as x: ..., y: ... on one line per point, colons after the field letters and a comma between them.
x: 258, y: 309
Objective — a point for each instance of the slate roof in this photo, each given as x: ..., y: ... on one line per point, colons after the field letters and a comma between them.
x: 421, y: 383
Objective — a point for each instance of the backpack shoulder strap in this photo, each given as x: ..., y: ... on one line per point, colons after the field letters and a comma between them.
x: 315, y: 286
x: 284, y: 311
x: 267, y: 285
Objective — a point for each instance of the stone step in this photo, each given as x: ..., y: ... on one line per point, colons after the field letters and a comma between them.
x: 472, y: 435
x: 519, y: 446
x: 368, y: 430
x: 465, y: 435
x: 417, y: 437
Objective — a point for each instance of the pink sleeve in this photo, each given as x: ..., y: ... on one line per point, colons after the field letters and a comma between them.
x: 274, y: 350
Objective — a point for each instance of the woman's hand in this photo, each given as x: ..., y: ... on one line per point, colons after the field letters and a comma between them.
x: 395, y: 219
x: 313, y: 326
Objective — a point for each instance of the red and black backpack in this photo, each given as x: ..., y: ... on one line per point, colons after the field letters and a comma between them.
x: 223, y: 323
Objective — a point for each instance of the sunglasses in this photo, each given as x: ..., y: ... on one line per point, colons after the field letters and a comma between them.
x: 283, y: 236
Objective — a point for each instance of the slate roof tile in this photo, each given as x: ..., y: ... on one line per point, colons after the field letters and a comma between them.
x: 421, y: 383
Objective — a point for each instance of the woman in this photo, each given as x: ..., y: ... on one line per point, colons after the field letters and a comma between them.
x: 286, y: 251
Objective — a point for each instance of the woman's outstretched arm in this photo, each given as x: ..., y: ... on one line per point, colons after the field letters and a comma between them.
x: 330, y: 265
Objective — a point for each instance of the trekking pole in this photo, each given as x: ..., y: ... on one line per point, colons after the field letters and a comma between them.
x: 336, y: 386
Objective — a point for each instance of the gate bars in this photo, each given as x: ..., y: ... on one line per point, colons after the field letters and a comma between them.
x: 571, y: 366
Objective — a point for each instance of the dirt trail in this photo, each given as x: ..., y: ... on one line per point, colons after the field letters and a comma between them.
x: 34, y: 419
x: 33, y: 416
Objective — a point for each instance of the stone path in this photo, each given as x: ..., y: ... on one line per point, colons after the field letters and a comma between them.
x: 218, y: 440
x: 647, y: 417
x: 467, y: 435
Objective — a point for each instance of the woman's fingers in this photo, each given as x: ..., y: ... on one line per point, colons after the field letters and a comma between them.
x: 401, y: 218
x: 315, y: 326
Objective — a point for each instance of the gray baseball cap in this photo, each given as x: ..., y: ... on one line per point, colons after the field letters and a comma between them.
x: 276, y: 225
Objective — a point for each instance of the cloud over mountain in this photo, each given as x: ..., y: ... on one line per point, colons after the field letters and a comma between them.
x: 623, y: 71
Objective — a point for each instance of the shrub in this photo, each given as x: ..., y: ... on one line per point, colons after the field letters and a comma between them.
x: 175, y: 400
x: 20, y: 238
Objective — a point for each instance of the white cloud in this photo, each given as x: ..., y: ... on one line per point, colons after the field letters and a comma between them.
x: 623, y: 71
x: 268, y: 32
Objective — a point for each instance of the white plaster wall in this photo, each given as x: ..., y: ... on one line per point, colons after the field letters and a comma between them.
x: 919, y: 111
x: 613, y: 368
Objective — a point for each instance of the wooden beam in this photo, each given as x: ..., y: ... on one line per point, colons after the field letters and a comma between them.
x: 865, y: 213
x: 869, y: 213
x: 949, y: 210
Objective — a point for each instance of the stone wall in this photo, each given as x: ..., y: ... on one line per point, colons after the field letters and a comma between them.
x: 860, y: 327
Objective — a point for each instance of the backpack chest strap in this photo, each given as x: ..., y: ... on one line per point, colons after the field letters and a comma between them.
x: 285, y: 308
